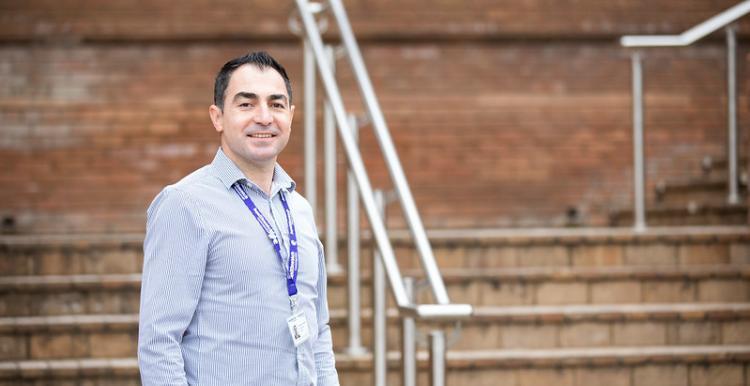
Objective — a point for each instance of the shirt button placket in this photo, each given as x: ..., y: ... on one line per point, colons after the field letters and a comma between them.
x: 282, y: 239
x: 302, y: 372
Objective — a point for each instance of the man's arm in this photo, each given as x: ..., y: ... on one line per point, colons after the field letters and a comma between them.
x: 175, y: 252
x: 325, y: 362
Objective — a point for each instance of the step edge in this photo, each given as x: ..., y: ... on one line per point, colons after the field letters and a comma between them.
x: 455, y: 360
x: 566, y: 313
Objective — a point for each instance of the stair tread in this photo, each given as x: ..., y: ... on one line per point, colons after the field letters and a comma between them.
x: 56, y: 282
x: 681, y: 311
x: 557, y: 357
x: 599, y: 356
x: 44, y: 283
x: 507, y: 235
x: 657, y: 209
x: 606, y: 312
x: 654, y: 353
x: 698, y: 183
x: 613, y: 272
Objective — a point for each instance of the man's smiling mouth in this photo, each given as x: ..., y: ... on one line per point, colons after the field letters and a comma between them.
x: 261, y: 135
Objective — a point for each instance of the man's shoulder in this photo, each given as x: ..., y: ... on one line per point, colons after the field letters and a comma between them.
x: 199, y: 179
x: 194, y: 186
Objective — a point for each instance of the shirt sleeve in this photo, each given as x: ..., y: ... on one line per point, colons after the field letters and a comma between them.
x: 325, y: 362
x: 175, y: 253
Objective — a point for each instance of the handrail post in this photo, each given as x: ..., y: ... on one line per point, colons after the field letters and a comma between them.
x: 379, y: 349
x: 310, y: 131
x: 329, y: 148
x: 733, y: 197
x: 355, y: 321
x: 409, y: 341
x: 437, y: 358
x: 638, y: 158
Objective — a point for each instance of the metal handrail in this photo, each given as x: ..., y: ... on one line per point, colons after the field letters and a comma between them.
x: 389, y: 153
x: 693, y: 34
x: 352, y: 152
x: 355, y: 159
x: 372, y: 205
x: 722, y: 20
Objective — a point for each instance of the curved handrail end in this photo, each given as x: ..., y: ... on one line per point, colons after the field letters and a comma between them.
x: 438, y: 311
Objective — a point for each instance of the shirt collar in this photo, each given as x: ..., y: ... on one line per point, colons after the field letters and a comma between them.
x: 228, y: 172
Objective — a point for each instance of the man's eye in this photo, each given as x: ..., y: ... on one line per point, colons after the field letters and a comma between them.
x: 278, y: 105
x: 245, y: 104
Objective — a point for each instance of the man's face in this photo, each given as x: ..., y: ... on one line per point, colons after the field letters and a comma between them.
x: 256, y: 120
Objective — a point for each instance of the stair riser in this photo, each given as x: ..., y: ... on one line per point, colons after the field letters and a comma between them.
x: 703, y: 197
x: 719, y: 168
x: 475, y: 335
x: 473, y: 291
x: 95, y: 301
x: 671, y: 374
x: 583, y: 255
x: 71, y: 261
x: 489, y: 336
x: 448, y: 255
x: 737, y: 218
x: 652, y: 291
x: 483, y: 292
x: 724, y: 374
x: 67, y: 345
x: 645, y: 375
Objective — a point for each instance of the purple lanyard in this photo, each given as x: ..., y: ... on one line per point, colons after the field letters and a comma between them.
x: 292, y: 266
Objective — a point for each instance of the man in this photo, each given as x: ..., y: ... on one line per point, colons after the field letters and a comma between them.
x: 234, y: 286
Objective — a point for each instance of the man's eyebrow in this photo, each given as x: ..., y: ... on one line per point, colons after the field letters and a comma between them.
x: 274, y: 97
x: 246, y: 95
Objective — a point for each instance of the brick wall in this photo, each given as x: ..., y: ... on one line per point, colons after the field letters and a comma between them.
x: 503, y: 114
x: 384, y: 19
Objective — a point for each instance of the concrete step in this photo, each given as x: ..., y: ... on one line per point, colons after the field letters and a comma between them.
x: 604, y: 285
x: 616, y: 366
x: 718, y: 165
x: 76, y: 254
x: 472, y: 248
x: 695, y: 193
x: 551, y: 327
x: 117, y: 294
x: 113, y: 336
x: 69, y: 294
x: 682, y: 215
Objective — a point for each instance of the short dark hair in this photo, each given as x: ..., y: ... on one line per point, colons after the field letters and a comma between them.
x: 260, y: 59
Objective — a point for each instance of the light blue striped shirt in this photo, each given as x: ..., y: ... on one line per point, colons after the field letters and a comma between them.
x: 214, y: 303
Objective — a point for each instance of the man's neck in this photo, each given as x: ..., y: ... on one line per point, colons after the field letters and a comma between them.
x: 259, y: 174
x: 261, y: 177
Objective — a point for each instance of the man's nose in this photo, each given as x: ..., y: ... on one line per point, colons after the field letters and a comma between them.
x: 263, y: 116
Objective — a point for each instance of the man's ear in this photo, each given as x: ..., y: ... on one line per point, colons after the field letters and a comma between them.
x: 215, y: 113
x: 291, y: 115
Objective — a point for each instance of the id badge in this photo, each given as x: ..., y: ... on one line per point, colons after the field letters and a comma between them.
x: 298, y: 328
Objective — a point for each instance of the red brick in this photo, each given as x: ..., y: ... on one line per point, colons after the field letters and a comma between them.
x: 535, y: 377
x: 666, y: 375
x: 603, y: 376
x: 528, y: 336
x: 535, y: 136
x: 616, y: 292
x: 641, y: 333
x: 562, y: 293
x: 597, y: 255
x: 716, y: 375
